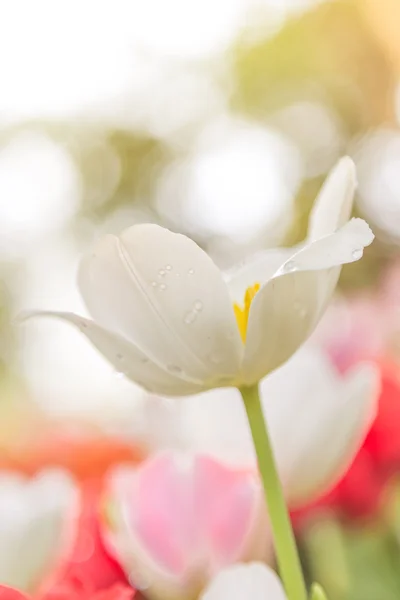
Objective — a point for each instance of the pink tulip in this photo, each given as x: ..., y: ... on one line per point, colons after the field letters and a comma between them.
x: 175, y: 521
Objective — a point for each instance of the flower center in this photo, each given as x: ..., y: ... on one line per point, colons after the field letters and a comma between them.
x: 242, y: 313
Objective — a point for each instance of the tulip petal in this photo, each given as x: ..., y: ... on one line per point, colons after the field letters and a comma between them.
x: 333, y: 205
x: 254, y: 581
x: 9, y: 593
x: 162, y: 292
x: 258, y: 268
x: 317, y: 420
x: 181, y: 518
x: 33, y: 517
x: 286, y: 309
x: 207, y: 429
x: 316, y: 437
x: 126, y: 357
x: 228, y: 507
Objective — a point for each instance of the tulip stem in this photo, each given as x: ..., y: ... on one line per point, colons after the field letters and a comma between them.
x: 285, y: 545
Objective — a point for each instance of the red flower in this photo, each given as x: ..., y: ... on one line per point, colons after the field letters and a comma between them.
x: 71, y: 592
x: 86, y: 566
x: 8, y: 593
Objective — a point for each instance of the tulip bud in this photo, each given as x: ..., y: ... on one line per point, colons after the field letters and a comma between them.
x: 175, y: 521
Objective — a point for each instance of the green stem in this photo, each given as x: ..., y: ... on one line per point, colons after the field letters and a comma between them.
x: 285, y: 545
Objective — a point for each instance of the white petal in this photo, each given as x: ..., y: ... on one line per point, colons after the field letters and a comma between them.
x: 317, y: 421
x: 215, y: 423
x: 334, y: 203
x: 258, y: 268
x: 316, y: 434
x: 127, y: 358
x: 33, y: 521
x: 161, y: 291
x: 254, y: 581
x: 344, y: 246
x: 286, y: 310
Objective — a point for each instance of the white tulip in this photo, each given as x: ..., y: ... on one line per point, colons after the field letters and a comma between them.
x: 317, y: 420
x: 166, y: 317
x: 34, y: 521
x: 253, y: 581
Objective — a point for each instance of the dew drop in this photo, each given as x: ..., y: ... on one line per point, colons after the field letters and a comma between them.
x: 163, y: 287
x: 161, y: 273
x: 190, y: 317
x: 174, y: 369
x: 290, y: 266
x: 191, y: 272
x: 357, y: 253
x: 298, y: 306
x: 168, y: 268
x: 198, y: 305
x: 154, y: 284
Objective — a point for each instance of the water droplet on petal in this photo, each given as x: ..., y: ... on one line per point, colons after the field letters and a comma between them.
x: 168, y: 268
x: 161, y: 273
x: 174, y: 369
x: 198, y: 305
x: 290, y: 266
x: 154, y: 284
x: 357, y: 253
x: 163, y: 287
x: 190, y: 317
x: 191, y: 272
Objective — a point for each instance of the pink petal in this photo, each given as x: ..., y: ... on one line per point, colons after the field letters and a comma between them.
x: 162, y: 514
x: 225, y: 507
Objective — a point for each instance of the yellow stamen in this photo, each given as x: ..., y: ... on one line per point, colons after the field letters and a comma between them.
x: 242, y: 314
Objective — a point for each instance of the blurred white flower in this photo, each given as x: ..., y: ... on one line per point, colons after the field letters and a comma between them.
x: 241, y: 181
x: 33, y: 525
x: 165, y: 317
x: 175, y: 521
x: 317, y: 420
x: 254, y: 581
x: 378, y: 163
x: 315, y: 129
x: 40, y: 188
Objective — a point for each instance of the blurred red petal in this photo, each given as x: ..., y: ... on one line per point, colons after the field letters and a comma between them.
x: 75, y: 591
x: 86, y: 565
x: 8, y: 593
